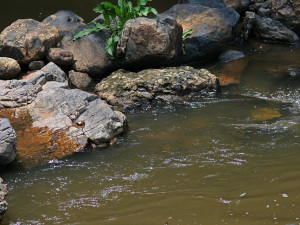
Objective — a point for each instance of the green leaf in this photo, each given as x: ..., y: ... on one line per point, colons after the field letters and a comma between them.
x: 85, y: 32
x: 187, y: 33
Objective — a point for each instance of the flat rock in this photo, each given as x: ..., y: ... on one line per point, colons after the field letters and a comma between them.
x: 27, y: 40
x: 231, y: 55
x: 3, y: 203
x: 126, y: 90
x: 8, y: 143
x: 9, y: 68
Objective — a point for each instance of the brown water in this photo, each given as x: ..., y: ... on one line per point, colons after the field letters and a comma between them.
x: 214, y: 160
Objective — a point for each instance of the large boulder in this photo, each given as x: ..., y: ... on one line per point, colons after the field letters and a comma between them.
x: 287, y: 12
x: 150, y: 42
x: 8, y: 143
x: 271, y: 30
x: 65, y: 21
x: 9, y: 68
x: 125, y: 90
x: 27, y: 40
x: 89, y: 53
x: 212, y: 23
x: 3, y: 203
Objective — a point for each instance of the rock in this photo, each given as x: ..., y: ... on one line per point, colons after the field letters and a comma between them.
x: 263, y: 114
x: 294, y: 72
x: 287, y: 12
x: 9, y: 68
x: 150, y: 42
x: 60, y: 57
x: 81, y: 81
x: 89, y: 53
x: 231, y: 55
x: 27, y: 40
x: 248, y: 24
x: 8, y: 143
x: 85, y: 116
x: 271, y: 30
x: 126, y: 90
x: 18, y: 93
x: 212, y: 23
x: 3, y: 203
x: 36, y: 65
x: 65, y: 21
x: 264, y: 12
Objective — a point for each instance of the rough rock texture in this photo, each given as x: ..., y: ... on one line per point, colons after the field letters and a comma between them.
x: 9, y: 68
x: 65, y: 21
x: 3, y: 203
x: 36, y: 65
x: 8, y: 143
x: 126, y: 90
x: 272, y: 30
x: 18, y: 93
x: 89, y: 53
x: 27, y: 40
x: 60, y: 57
x: 248, y: 25
x: 212, y: 22
x: 81, y: 81
x: 231, y: 55
x: 287, y: 12
x: 150, y: 42
x: 85, y: 115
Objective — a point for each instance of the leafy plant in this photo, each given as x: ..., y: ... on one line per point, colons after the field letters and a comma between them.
x: 184, y: 36
x: 115, y: 17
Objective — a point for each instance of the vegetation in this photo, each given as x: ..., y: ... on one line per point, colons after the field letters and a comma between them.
x: 184, y: 36
x: 115, y: 17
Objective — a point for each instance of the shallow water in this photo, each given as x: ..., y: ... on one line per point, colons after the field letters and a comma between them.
x: 208, y: 161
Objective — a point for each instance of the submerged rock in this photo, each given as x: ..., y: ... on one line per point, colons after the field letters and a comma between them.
x: 3, y: 203
x: 126, y: 90
x: 264, y: 114
x: 231, y: 55
x: 8, y: 143
x: 27, y: 40
x: 9, y: 68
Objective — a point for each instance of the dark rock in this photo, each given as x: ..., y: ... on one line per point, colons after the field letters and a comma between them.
x: 294, y: 72
x: 3, y: 203
x: 231, y: 55
x: 61, y: 57
x: 248, y: 25
x: 264, y: 12
x: 81, y: 81
x: 271, y: 30
x: 65, y: 21
x: 89, y: 53
x: 212, y: 22
x: 27, y: 40
x: 8, y: 143
x: 9, y: 68
x: 147, y: 43
x: 36, y: 65
x: 126, y: 90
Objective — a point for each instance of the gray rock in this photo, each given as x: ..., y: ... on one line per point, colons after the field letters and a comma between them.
x: 231, y: 55
x: 89, y: 53
x: 27, y: 40
x: 248, y: 25
x: 18, y: 93
x: 8, y: 143
x: 212, y: 22
x: 60, y: 57
x: 264, y: 12
x: 9, y: 68
x: 3, y: 203
x: 81, y: 81
x: 65, y: 21
x: 150, y: 42
x: 271, y: 30
x: 294, y: 72
x: 126, y: 90
x: 36, y: 65
x: 85, y: 116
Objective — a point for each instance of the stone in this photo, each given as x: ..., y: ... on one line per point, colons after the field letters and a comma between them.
x: 85, y: 116
x: 264, y: 12
x: 89, y: 53
x: 18, y: 93
x: 27, y: 40
x: 212, y: 23
x: 36, y: 65
x: 271, y: 30
x: 294, y: 72
x: 231, y: 55
x: 8, y: 143
x: 65, y: 21
x: 81, y: 81
x: 9, y: 68
x: 264, y: 114
x: 288, y: 13
x: 150, y: 42
x: 3, y: 203
x: 60, y: 57
x: 127, y: 90
x: 248, y: 24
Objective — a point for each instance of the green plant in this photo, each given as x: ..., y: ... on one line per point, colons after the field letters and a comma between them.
x: 184, y: 36
x: 115, y: 17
